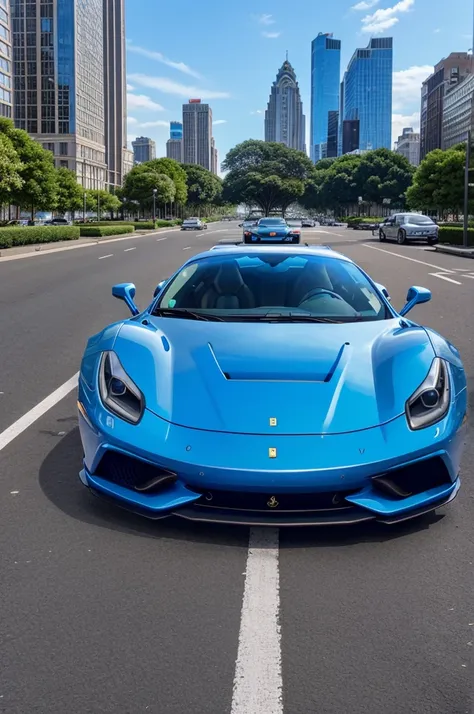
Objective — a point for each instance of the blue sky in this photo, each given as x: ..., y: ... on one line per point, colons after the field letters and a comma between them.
x: 228, y: 53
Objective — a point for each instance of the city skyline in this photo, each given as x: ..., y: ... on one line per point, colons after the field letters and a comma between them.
x: 162, y: 70
x: 285, y: 121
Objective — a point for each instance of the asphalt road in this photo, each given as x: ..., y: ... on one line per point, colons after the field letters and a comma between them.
x: 104, y: 612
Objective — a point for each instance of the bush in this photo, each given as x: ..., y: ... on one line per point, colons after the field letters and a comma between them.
x: 100, y: 231
x: 454, y: 235
x: 27, y: 235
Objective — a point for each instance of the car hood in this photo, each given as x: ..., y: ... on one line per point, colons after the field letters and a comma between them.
x: 310, y: 378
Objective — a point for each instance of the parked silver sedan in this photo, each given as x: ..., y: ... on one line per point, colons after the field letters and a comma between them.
x: 403, y: 227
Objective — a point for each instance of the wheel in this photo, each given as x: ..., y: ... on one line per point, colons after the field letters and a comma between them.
x: 401, y: 237
x: 382, y: 235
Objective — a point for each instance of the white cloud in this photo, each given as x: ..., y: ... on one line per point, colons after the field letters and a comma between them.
x: 265, y: 19
x: 219, y: 121
x: 130, y: 88
x: 158, y: 57
x: 407, y: 85
x: 258, y: 111
x: 169, y: 87
x: 141, y: 101
x: 365, y: 5
x: 382, y: 19
x: 271, y: 35
x: 132, y: 121
x: 150, y: 124
x: 400, y: 121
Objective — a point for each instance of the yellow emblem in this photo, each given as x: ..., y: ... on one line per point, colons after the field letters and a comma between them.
x: 272, y: 503
x: 273, y: 421
x: 272, y: 453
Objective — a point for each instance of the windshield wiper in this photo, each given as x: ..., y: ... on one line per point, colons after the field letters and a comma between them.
x: 187, y: 314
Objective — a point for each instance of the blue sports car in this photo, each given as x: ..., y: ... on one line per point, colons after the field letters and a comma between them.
x: 272, y: 385
x: 271, y: 231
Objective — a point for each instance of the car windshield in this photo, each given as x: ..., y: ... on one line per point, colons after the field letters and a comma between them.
x: 272, y: 222
x: 272, y: 287
x: 419, y: 220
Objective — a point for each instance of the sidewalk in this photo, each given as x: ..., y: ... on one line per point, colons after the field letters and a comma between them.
x: 455, y: 250
x: 57, y: 246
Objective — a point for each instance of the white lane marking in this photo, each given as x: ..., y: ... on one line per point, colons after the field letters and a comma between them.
x: 444, y: 277
x: 258, y: 677
x: 405, y: 257
x: 188, y: 247
x: 469, y: 275
x: 30, y: 417
x: 109, y: 255
x: 159, y: 239
x: 127, y: 250
x: 48, y: 251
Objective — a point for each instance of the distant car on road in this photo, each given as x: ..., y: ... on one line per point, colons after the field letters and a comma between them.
x: 308, y: 223
x: 271, y: 231
x: 404, y: 227
x: 193, y: 224
x: 58, y: 222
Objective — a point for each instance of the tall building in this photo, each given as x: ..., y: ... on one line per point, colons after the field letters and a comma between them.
x: 174, y: 149
x: 458, y: 113
x: 197, y: 134
x: 58, y: 70
x: 408, y: 145
x: 350, y: 136
x: 214, y: 157
x: 5, y: 61
x: 144, y: 149
x: 325, y: 78
x: 284, y: 118
x: 447, y: 73
x: 115, y: 93
x: 367, y: 91
x: 176, y: 130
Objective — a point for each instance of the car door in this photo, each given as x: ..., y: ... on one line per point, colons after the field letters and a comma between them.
x: 390, y: 230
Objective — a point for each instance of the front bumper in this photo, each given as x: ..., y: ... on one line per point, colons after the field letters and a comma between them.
x: 228, y: 478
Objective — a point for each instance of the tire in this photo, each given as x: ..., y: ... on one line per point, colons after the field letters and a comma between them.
x: 382, y: 236
x: 401, y: 237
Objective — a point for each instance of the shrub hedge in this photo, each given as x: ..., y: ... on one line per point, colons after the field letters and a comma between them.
x: 454, y: 235
x: 100, y: 231
x: 27, y: 235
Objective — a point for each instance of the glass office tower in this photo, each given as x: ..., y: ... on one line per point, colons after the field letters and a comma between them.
x: 325, y: 78
x: 367, y: 91
x: 6, y: 99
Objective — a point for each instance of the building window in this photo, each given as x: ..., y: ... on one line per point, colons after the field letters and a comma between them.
x: 63, y: 148
x: 64, y: 164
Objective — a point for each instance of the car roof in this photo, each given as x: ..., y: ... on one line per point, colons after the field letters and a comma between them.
x: 322, y: 251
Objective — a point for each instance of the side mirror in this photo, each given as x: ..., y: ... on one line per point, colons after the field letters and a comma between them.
x: 384, y: 291
x: 415, y: 296
x: 126, y: 292
x: 159, y: 288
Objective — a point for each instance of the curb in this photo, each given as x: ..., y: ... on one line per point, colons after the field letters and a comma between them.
x: 454, y: 250
x: 35, y: 249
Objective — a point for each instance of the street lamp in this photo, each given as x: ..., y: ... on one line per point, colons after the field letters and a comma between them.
x: 155, y: 191
x: 84, y: 207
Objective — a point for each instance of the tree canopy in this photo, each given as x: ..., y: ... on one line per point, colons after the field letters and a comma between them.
x: 265, y: 174
x: 203, y: 187
x: 10, y: 170
x: 165, y: 175
x: 438, y: 183
x: 70, y: 194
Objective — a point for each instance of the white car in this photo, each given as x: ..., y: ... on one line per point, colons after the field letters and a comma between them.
x: 193, y: 224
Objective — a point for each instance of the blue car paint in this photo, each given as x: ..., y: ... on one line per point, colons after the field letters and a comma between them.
x: 281, y: 234
x: 215, y: 433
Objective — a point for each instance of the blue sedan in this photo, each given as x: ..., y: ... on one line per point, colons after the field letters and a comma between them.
x: 272, y: 386
x: 272, y: 231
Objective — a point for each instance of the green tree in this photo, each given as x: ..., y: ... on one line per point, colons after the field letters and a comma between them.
x: 39, y: 189
x: 203, y: 187
x: 439, y: 181
x: 173, y: 170
x: 139, y: 186
x: 70, y: 193
x: 102, y: 201
x: 10, y: 170
x: 265, y: 174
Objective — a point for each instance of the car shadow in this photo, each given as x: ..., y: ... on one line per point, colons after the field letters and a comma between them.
x: 60, y: 483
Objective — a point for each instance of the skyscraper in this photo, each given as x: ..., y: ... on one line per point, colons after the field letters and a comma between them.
x: 408, y: 145
x: 197, y: 134
x: 284, y: 118
x: 446, y: 75
x: 59, y: 82
x: 144, y: 149
x: 5, y: 61
x: 367, y: 97
x: 214, y: 157
x: 174, y: 145
x: 115, y: 94
x: 176, y: 130
x: 325, y: 78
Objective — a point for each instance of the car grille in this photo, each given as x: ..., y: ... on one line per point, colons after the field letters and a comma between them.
x: 267, y: 502
x: 413, y: 479
x: 133, y: 473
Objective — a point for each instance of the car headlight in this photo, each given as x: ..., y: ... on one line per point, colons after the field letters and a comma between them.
x: 430, y: 402
x: 118, y: 392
